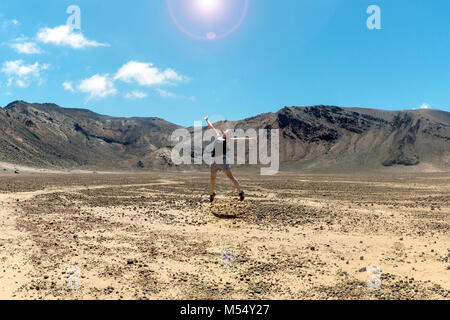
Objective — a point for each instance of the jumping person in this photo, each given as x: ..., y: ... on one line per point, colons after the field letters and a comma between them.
x: 220, y: 160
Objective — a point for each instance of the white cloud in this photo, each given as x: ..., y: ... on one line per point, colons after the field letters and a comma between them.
x: 6, y: 23
x: 145, y: 74
x: 136, y: 95
x: 64, y: 36
x: 98, y: 86
x: 21, y: 74
x: 26, y: 48
x: 68, y: 86
x: 20, y: 69
x: 425, y: 106
x: 22, y: 83
x: 166, y: 94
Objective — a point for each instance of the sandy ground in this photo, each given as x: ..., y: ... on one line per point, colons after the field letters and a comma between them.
x: 155, y: 236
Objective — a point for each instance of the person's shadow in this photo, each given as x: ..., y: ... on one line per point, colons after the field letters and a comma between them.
x: 227, y: 216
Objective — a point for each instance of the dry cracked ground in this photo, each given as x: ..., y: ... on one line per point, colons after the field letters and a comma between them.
x: 155, y: 236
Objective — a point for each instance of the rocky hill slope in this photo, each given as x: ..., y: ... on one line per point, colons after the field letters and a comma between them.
x: 320, y: 137
x: 327, y: 137
x: 46, y: 135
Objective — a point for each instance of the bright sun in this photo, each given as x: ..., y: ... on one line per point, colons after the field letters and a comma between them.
x: 208, y: 6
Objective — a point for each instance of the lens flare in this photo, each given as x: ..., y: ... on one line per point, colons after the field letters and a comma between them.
x: 211, y: 35
x: 208, y: 19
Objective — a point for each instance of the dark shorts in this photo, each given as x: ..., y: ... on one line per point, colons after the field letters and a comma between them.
x: 216, y: 167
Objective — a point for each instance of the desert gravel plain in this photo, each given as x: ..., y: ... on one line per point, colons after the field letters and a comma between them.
x: 156, y: 236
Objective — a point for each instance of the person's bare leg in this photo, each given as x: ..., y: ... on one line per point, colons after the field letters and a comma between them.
x: 229, y: 174
x: 213, y: 183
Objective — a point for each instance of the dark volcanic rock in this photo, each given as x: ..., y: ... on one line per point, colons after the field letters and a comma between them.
x: 328, y: 137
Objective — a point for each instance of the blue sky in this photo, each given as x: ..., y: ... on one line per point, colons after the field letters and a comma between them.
x: 133, y: 59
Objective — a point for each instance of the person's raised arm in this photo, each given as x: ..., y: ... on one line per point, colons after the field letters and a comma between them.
x: 211, y: 126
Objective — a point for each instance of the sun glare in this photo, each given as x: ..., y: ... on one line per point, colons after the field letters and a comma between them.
x: 208, y: 6
x: 208, y: 19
